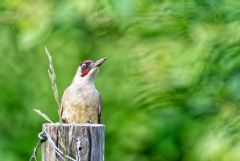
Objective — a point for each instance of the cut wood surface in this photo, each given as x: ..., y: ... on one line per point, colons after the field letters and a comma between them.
x: 83, y: 142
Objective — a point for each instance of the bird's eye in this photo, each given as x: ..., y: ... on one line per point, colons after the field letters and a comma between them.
x: 83, y: 66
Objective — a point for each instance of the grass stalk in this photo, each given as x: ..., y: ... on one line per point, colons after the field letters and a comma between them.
x: 52, y: 76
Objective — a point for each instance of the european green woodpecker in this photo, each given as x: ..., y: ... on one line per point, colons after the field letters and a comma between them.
x: 81, y: 101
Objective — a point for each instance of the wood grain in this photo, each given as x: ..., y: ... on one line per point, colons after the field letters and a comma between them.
x: 83, y: 142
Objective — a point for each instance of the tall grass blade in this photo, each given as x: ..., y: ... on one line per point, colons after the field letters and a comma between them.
x: 43, y: 115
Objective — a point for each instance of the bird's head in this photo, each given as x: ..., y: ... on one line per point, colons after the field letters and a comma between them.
x: 88, y: 69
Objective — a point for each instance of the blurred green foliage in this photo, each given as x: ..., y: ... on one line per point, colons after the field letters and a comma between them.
x: 170, y: 88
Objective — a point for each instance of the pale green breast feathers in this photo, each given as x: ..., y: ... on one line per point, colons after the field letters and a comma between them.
x: 80, y: 105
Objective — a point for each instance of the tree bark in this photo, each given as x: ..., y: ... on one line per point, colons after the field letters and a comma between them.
x: 83, y: 142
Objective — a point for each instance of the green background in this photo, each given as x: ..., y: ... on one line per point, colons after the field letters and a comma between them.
x: 170, y: 87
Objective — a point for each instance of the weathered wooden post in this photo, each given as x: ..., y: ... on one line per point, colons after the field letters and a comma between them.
x: 83, y: 142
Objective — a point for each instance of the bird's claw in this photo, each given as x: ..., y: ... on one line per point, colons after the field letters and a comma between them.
x: 89, y: 122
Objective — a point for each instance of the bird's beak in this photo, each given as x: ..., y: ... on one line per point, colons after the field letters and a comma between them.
x: 95, y: 67
x: 99, y: 62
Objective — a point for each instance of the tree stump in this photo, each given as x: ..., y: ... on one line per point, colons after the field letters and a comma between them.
x: 83, y: 142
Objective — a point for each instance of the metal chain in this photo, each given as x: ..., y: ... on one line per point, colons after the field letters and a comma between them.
x: 43, y: 136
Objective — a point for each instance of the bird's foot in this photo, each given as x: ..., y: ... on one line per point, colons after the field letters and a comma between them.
x: 64, y: 120
x: 89, y: 122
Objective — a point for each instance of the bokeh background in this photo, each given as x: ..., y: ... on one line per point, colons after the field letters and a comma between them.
x: 170, y: 87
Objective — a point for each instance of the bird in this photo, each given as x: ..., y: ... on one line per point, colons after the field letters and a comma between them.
x: 81, y: 101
